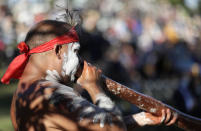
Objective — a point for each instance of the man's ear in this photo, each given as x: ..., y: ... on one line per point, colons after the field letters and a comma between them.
x: 57, y: 50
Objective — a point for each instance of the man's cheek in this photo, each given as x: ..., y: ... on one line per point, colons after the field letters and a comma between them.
x: 70, y: 65
x: 64, y: 64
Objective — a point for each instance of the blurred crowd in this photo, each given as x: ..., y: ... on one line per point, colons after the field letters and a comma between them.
x: 150, y: 45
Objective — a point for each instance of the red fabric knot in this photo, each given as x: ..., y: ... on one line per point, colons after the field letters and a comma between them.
x: 22, y: 46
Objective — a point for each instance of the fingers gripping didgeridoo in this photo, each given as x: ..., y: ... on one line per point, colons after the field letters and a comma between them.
x: 150, y: 104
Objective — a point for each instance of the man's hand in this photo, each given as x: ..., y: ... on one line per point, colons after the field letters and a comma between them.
x: 90, y: 76
x: 145, y: 118
x: 89, y: 80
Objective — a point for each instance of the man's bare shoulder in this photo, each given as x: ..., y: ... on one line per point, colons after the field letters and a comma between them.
x: 39, y: 106
x: 43, y: 90
x: 36, y: 88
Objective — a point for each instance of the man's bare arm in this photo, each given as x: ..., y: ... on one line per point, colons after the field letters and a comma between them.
x: 103, y: 115
x: 89, y: 79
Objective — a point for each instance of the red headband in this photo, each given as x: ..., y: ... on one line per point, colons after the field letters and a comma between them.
x: 16, y: 67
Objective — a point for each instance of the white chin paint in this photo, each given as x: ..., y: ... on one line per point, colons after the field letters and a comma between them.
x: 70, y: 61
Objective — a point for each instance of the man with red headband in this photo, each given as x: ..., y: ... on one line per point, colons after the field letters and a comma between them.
x: 44, y: 99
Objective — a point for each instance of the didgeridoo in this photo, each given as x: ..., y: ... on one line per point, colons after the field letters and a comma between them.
x: 150, y: 104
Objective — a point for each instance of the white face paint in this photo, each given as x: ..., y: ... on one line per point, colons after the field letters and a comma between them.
x: 70, y: 61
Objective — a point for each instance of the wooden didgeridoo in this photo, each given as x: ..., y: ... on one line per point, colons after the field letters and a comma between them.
x: 150, y: 104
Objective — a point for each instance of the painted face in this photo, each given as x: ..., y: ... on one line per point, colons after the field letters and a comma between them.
x: 70, y: 62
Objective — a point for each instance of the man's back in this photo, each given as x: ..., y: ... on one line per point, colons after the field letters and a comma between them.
x: 51, y: 106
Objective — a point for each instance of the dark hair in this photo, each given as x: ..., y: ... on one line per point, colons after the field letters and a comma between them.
x: 48, y: 29
x: 45, y: 31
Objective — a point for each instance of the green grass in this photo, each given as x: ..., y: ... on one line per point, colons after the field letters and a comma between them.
x: 6, y: 93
